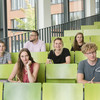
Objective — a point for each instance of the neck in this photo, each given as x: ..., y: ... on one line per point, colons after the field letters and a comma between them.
x: 34, y: 42
x: 58, y: 52
x: 92, y: 63
x: 80, y: 43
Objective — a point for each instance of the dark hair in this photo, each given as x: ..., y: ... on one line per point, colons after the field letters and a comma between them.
x: 2, y: 42
x: 75, y: 44
x: 20, y: 63
x: 36, y: 32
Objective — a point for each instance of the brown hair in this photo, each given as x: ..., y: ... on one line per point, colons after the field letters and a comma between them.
x: 89, y: 46
x: 20, y: 63
x: 75, y: 44
x: 2, y: 42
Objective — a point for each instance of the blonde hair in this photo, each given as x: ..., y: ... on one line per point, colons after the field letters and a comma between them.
x: 88, y: 46
x: 57, y: 39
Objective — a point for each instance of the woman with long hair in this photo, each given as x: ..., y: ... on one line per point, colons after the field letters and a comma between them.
x: 59, y: 54
x: 25, y: 68
x: 78, y: 42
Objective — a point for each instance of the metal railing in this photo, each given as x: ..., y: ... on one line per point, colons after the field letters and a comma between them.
x: 16, y: 42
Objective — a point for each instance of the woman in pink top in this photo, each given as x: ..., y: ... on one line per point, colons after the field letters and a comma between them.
x: 25, y: 68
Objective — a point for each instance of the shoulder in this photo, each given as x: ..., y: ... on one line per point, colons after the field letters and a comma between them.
x: 36, y: 64
x: 6, y: 53
x: 65, y: 49
x: 42, y: 42
x: 82, y: 62
x: 27, y: 43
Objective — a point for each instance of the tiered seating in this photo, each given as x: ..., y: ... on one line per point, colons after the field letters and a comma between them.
x: 79, y: 56
x: 5, y: 71
x: 92, y: 91
x: 1, y: 91
x: 61, y: 73
x: 61, y: 91
x: 22, y: 91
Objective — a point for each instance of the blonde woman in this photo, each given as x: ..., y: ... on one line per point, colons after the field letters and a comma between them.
x: 59, y: 54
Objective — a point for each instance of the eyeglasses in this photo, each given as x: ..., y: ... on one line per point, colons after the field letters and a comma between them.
x: 33, y: 35
x: 91, y: 53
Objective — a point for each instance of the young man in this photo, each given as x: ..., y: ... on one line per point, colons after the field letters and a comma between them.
x: 89, y: 70
x: 35, y: 45
x: 5, y: 57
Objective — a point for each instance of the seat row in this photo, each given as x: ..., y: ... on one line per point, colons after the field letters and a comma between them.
x: 51, y: 91
x: 68, y: 41
x: 56, y: 73
x: 41, y: 57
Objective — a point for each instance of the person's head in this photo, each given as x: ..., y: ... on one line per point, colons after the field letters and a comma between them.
x: 2, y: 47
x: 33, y: 36
x: 58, y: 44
x: 79, y: 38
x: 89, y: 50
x: 24, y: 57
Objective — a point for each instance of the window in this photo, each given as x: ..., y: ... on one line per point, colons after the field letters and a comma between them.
x: 57, y: 19
x: 15, y: 23
x: 76, y: 15
x: 56, y: 1
x: 97, y: 6
x: 17, y: 4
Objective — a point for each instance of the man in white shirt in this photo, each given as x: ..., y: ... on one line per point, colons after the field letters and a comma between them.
x: 35, y: 45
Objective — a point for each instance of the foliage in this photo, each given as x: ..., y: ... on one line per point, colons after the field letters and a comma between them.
x: 29, y: 16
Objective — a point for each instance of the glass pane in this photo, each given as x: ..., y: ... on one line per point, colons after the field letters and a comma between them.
x: 76, y: 9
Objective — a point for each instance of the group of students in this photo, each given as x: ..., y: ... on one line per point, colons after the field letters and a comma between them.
x: 26, y: 68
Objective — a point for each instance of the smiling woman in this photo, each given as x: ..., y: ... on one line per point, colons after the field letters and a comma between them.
x: 25, y: 68
x: 5, y: 57
x: 59, y: 54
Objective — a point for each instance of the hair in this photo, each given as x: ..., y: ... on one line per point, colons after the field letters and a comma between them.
x: 20, y: 63
x: 89, y: 46
x: 36, y: 32
x: 2, y: 42
x: 58, y: 39
x: 75, y: 44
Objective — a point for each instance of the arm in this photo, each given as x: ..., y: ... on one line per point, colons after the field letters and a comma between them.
x: 32, y: 77
x: 80, y: 78
x: 9, y: 58
x: 67, y: 60
x: 43, y: 47
x: 13, y: 74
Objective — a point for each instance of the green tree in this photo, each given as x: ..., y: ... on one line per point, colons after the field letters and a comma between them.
x: 30, y: 18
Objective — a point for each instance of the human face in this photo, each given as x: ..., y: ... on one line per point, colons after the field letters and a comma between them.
x: 24, y: 57
x: 2, y: 47
x: 33, y: 37
x: 91, y: 55
x: 58, y: 45
x: 79, y: 38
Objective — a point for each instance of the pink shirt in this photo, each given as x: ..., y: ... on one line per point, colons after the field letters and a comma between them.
x: 25, y: 75
x: 38, y: 47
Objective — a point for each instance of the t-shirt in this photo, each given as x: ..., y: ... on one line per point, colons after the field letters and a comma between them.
x: 60, y: 58
x: 90, y: 71
x: 5, y: 58
x: 72, y: 49
x: 38, y: 47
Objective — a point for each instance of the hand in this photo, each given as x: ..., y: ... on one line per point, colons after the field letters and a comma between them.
x: 28, y: 64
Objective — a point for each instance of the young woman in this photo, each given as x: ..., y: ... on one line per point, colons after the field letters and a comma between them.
x: 5, y: 57
x: 25, y: 68
x: 59, y: 54
x: 78, y: 42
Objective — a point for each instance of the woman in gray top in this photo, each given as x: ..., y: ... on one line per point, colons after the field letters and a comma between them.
x: 5, y: 57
